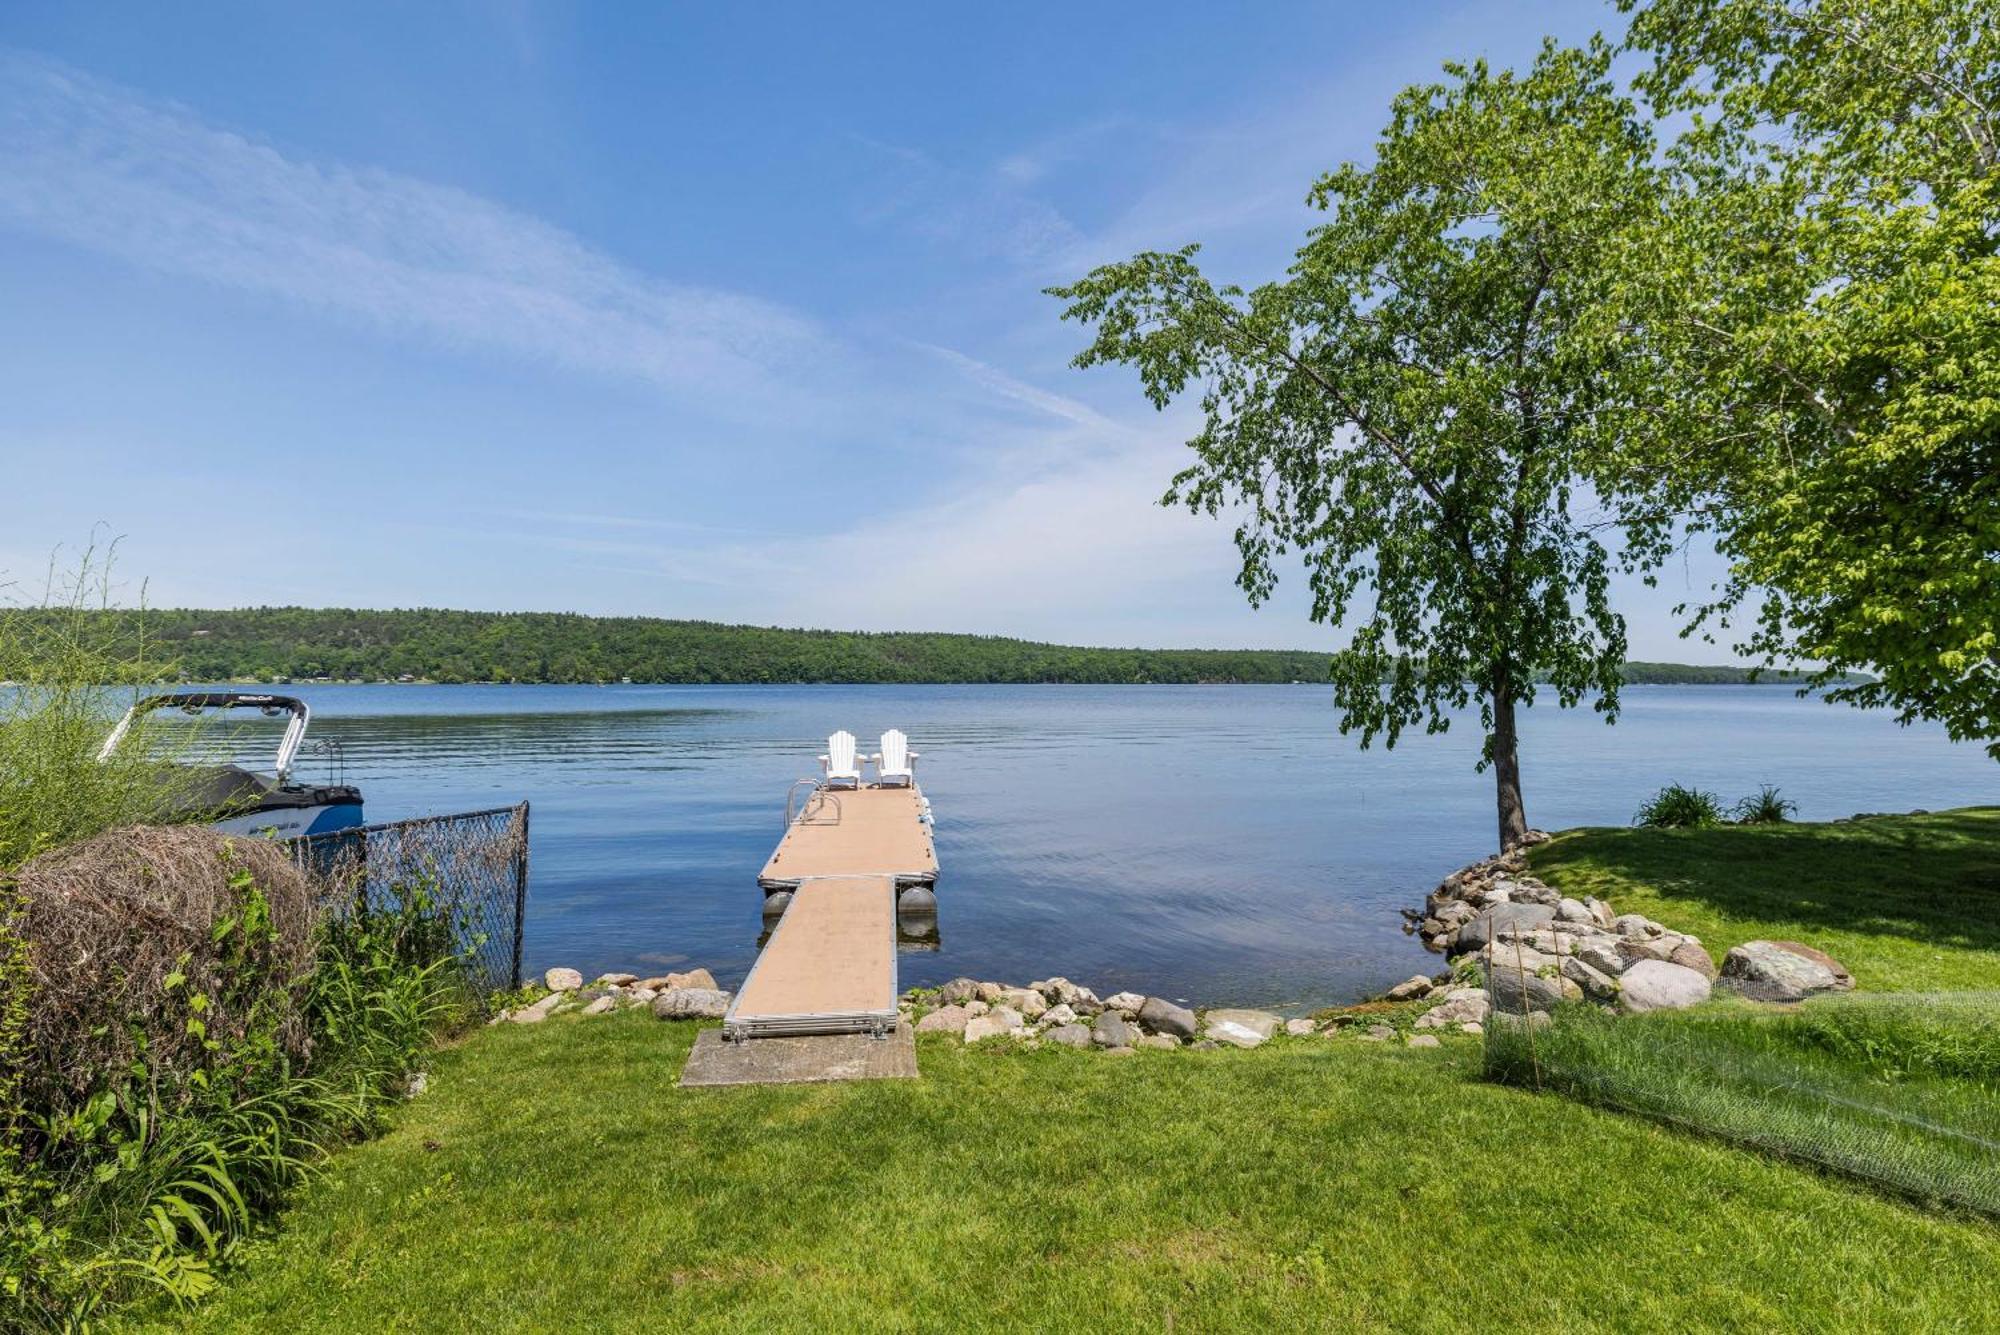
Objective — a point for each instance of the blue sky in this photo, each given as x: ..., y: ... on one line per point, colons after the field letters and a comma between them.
x: 717, y: 311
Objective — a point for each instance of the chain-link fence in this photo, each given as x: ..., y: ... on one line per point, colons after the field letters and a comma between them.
x: 466, y: 875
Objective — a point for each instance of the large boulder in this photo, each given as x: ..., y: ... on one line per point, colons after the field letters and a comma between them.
x: 1782, y: 971
x: 1026, y: 1000
x: 1512, y: 991
x: 1069, y: 1035
x: 1112, y: 1031
x: 1635, y: 948
x: 957, y: 991
x: 1126, y: 1003
x: 945, y: 1020
x: 1261, y: 1023
x: 1597, y: 986
x: 692, y: 978
x: 1413, y: 988
x: 1495, y: 917
x: 538, y: 1012
x: 1157, y: 1015
x: 982, y: 1027
x: 562, y: 980
x: 1602, y: 954
x: 1230, y: 1032
x: 1059, y: 991
x: 1690, y: 955
x: 691, y: 1003
x: 1655, y: 985
x: 1461, y: 1005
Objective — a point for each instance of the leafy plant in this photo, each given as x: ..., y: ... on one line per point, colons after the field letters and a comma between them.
x: 1765, y: 807
x: 1679, y: 807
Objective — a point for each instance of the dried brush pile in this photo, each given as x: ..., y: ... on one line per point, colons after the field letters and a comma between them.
x: 152, y: 948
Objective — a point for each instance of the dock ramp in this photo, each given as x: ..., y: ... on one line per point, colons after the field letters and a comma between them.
x: 830, y: 964
x: 829, y: 967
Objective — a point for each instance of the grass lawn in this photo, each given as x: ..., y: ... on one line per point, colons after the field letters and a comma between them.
x: 1902, y: 1089
x: 1907, y: 903
x: 555, y: 1179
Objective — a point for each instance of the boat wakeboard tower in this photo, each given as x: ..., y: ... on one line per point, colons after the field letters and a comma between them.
x: 244, y: 801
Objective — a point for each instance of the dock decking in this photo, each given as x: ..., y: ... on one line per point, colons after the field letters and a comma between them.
x: 855, y: 832
x: 830, y: 964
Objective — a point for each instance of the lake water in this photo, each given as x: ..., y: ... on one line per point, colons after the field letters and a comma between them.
x: 1220, y: 844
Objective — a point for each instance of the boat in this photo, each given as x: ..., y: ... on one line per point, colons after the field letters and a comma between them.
x: 237, y: 800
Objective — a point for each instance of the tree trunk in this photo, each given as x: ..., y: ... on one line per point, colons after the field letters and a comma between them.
x: 1507, y: 763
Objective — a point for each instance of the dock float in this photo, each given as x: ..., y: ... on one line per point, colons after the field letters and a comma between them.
x: 830, y: 964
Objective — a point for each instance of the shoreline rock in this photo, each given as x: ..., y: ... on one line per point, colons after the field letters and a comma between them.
x: 1536, y: 948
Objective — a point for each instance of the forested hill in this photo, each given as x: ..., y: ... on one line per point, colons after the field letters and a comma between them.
x: 303, y: 644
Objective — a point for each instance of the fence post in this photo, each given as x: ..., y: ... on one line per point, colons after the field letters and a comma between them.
x: 520, y: 895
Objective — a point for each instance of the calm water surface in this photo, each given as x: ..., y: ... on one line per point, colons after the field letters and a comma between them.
x: 1221, y: 844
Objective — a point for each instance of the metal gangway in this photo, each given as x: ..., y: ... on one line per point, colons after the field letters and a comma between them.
x: 829, y: 966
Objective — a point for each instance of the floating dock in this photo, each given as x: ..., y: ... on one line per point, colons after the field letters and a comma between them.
x: 830, y: 964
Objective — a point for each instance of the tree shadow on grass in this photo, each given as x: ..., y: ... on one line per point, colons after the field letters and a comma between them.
x: 1931, y: 878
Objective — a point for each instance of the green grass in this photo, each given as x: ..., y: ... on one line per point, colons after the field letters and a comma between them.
x: 1899, y: 1089
x: 555, y: 1178
x: 1905, y: 902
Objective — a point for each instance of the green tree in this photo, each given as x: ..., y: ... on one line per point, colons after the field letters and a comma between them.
x: 1412, y: 410
x: 1819, y: 324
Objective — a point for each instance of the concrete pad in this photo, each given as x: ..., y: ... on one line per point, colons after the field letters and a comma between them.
x: 800, y: 1061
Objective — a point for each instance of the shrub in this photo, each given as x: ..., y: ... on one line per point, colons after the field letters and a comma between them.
x: 1765, y: 807
x: 267, y: 1018
x: 161, y: 946
x: 1678, y: 807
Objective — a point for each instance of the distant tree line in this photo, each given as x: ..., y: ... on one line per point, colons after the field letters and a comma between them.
x: 280, y: 644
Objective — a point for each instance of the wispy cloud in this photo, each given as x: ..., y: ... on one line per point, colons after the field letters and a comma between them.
x: 976, y: 211
x: 95, y: 165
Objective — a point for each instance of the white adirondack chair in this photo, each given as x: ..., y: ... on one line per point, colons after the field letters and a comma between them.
x: 842, y: 767
x: 896, y: 763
